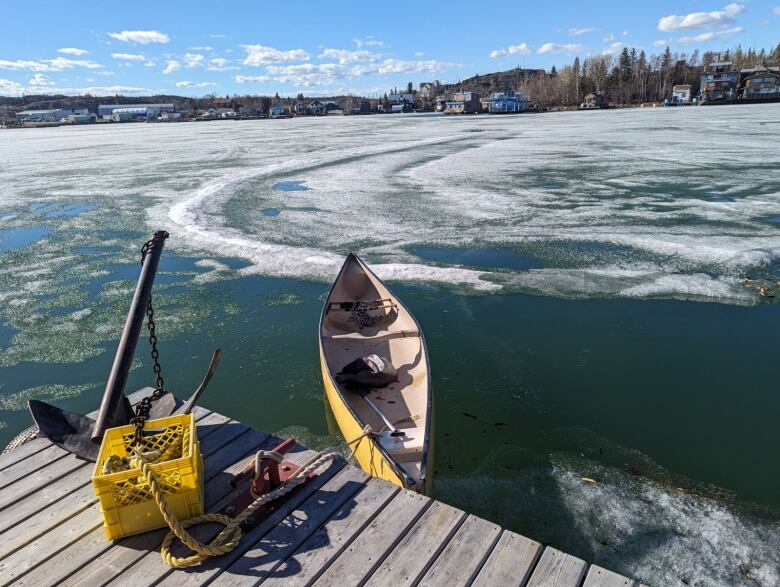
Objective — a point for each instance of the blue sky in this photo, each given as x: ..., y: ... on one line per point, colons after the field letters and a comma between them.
x: 247, y: 46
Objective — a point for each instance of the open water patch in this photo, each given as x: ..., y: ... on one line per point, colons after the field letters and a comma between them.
x: 17, y: 238
x: 290, y: 186
x: 270, y: 212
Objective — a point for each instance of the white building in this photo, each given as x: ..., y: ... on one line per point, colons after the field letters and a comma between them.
x: 106, y: 111
x: 51, y: 115
x: 681, y: 94
x: 401, y: 98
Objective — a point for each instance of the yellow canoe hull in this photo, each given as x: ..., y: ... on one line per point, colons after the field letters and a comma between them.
x: 367, y: 454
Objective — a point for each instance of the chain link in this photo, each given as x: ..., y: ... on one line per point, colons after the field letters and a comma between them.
x: 144, y: 407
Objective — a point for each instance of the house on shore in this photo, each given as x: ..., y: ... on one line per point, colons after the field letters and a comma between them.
x: 760, y: 84
x: 507, y: 102
x: 595, y: 101
x: 719, y: 85
x: 464, y: 103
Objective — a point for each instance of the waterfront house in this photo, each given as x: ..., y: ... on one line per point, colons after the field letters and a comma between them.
x: 507, y: 102
x: 681, y: 94
x: 594, y: 101
x: 464, y: 103
x: 316, y: 108
x: 759, y: 84
x: 719, y: 85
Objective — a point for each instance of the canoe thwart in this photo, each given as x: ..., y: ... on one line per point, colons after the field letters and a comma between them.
x: 379, y: 336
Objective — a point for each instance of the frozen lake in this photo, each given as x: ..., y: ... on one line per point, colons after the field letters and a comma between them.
x: 557, y: 263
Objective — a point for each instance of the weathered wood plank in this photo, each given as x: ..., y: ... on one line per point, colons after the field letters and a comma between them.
x: 329, y: 541
x: 557, y: 569
x: 151, y: 568
x: 57, y: 502
x: 22, y: 452
x: 462, y: 558
x: 114, y: 555
x: 45, y: 478
x: 23, y: 468
x: 368, y: 550
x: 413, y: 556
x: 600, y: 577
x: 264, y: 557
x: 511, y: 561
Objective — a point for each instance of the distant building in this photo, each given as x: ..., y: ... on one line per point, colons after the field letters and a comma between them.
x: 507, y: 102
x: 277, y: 110
x: 52, y: 115
x: 464, y: 103
x: 81, y: 119
x: 681, y: 94
x: 719, y: 84
x: 594, y: 101
x: 317, y: 108
x: 395, y: 99
x: 133, y: 114
x: 106, y: 111
x: 760, y: 84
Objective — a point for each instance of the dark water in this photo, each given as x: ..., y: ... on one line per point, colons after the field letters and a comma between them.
x: 666, y: 397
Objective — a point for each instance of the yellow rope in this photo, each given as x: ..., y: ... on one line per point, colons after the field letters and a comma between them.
x: 230, y: 535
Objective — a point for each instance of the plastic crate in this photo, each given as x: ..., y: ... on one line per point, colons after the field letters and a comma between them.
x: 125, y: 500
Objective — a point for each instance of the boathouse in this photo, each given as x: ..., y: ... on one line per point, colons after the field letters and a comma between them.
x: 719, y: 84
x: 681, y: 94
x: 464, y: 103
x: 759, y: 84
x: 507, y: 102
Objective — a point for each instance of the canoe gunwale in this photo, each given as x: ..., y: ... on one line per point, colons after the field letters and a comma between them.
x: 408, y: 481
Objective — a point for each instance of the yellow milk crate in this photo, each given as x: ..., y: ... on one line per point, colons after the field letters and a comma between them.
x: 125, y: 500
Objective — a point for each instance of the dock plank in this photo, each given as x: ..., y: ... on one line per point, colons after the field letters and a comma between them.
x: 152, y: 569
x: 311, y: 559
x: 462, y: 558
x: 368, y: 550
x: 117, y: 555
x: 600, y: 577
x: 22, y: 452
x: 22, y: 468
x: 511, y: 561
x: 56, y: 503
x: 264, y: 557
x: 558, y: 569
x: 413, y: 556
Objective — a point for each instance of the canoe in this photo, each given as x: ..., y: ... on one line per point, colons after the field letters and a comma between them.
x: 388, y: 428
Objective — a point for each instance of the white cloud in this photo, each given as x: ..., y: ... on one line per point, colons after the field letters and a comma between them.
x: 776, y: 10
x: 193, y: 60
x: 521, y: 49
x: 257, y: 55
x: 345, y: 56
x: 709, y: 36
x: 625, y: 34
x: 11, y: 88
x: 576, y: 32
x: 614, y: 48
x: 662, y: 42
x: 187, y: 84
x: 171, y: 66
x: 140, y: 37
x: 217, y: 36
x: 56, y: 64
x: 128, y: 56
x: 72, y: 51
x: 701, y: 20
x: 319, y: 74
x: 220, y: 64
x: 555, y: 48
x: 609, y: 38
x: 207, y: 48
x: 369, y: 41
x: 40, y: 80
x: 419, y: 54
x: 258, y: 79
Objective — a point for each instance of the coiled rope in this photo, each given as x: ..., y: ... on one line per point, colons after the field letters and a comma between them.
x: 230, y: 535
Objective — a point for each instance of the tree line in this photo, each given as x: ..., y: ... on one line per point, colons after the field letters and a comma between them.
x: 634, y: 77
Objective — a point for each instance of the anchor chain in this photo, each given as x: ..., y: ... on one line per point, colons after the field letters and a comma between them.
x: 143, y: 408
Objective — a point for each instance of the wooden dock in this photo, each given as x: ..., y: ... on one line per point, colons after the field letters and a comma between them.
x: 342, y: 528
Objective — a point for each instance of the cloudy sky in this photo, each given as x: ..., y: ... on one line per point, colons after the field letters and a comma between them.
x: 245, y: 46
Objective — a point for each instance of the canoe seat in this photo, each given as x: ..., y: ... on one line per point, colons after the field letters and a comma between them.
x: 378, y: 337
x: 410, y: 443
